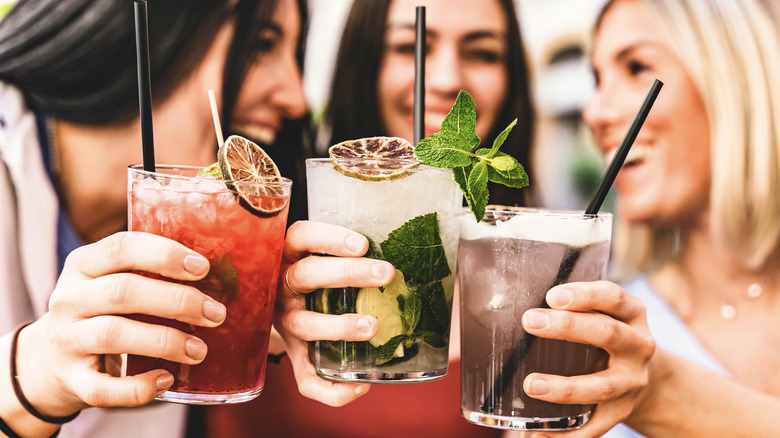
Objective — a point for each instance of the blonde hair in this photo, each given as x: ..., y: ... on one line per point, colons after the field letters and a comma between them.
x: 730, y: 49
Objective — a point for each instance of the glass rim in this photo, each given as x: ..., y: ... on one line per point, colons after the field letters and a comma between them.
x: 517, y: 210
x: 368, y: 159
x: 138, y: 169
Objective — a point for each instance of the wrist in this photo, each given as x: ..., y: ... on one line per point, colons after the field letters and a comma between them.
x: 33, y: 386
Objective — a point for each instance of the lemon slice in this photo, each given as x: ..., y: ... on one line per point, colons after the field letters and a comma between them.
x: 382, y: 158
x: 241, y: 160
x: 383, y: 305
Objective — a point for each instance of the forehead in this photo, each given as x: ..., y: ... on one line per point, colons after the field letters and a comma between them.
x: 452, y: 16
x: 627, y: 23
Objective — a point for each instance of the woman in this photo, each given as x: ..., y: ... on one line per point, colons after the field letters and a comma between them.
x: 477, y: 48
x: 698, y: 193
x: 68, y: 130
x: 474, y: 46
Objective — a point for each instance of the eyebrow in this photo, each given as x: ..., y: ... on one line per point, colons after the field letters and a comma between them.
x: 633, y: 47
x: 471, y: 36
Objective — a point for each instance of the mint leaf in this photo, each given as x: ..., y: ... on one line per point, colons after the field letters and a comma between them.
x: 516, y: 177
x: 462, y: 119
x: 435, y: 300
x: 411, y: 312
x: 415, y: 248
x: 501, y: 138
x: 477, y: 183
x: 385, y: 351
x: 456, y: 147
x: 444, y: 149
x: 373, y: 252
x: 211, y: 170
x: 433, y: 339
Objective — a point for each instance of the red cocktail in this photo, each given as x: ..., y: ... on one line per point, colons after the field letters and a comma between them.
x: 244, y: 247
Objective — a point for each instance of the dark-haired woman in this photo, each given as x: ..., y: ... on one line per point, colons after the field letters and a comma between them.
x: 474, y: 46
x: 68, y: 130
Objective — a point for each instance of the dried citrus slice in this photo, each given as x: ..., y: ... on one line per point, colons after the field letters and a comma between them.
x: 241, y: 160
x: 382, y: 158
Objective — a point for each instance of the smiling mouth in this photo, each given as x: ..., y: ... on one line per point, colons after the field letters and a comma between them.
x: 636, y: 155
x: 259, y: 134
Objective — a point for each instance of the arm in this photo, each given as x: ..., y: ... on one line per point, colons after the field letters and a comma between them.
x: 304, y: 273
x: 685, y: 399
x: 66, y: 359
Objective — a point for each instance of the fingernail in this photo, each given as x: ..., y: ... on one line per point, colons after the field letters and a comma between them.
x: 535, y: 319
x: 559, y: 297
x: 163, y: 382
x: 196, y: 265
x: 355, y: 243
x: 364, y: 324
x: 196, y: 349
x: 214, y: 311
x: 538, y: 387
x: 380, y: 270
x: 361, y: 389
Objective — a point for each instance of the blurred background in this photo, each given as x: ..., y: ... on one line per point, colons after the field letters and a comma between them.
x: 557, y: 34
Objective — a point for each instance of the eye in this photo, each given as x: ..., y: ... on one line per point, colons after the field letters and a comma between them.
x: 267, y: 39
x: 484, y: 55
x: 636, y: 67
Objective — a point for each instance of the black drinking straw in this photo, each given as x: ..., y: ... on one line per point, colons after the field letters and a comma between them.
x: 510, y: 366
x: 144, y: 83
x: 419, y: 75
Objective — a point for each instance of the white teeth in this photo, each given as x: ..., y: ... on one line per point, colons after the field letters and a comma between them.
x: 434, y: 119
x: 635, y: 154
x: 258, y: 133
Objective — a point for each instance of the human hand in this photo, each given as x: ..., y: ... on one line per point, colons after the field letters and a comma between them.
x: 602, y: 314
x: 303, y: 272
x: 62, y: 357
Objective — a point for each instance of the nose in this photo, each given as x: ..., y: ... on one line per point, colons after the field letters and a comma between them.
x: 289, y: 96
x: 602, y: 110
x: 444, y: 73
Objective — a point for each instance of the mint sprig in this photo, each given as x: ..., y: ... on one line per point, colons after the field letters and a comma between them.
x: 456, y: 147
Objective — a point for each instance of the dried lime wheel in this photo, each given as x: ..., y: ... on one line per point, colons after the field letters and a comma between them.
x: 380, y: 158
x: 242, y: 162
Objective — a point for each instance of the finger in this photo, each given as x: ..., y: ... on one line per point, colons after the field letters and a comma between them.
x: 312, y: 386
x: 128, y: 251
x: 313, y: 326
x: 587, y: 328
x: 101, y: 390
x: 117, y: 335
x: 600, y: 387
x: 315, y: 272
x: 304, y: 237
x: 600, y: 296
x: 126, y: 293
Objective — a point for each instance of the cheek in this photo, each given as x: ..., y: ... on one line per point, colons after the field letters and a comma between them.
x: 489, y: 99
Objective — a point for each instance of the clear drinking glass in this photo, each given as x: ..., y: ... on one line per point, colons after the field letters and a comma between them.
x: 506, y: 264
x: 244, y: 250
x: 409, y: 213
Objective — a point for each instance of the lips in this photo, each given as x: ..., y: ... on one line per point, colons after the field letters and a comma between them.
x: 259, y: 133
x: 636, y: 154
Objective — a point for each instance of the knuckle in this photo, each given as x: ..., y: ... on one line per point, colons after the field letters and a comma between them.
x: 610, y: 332
x: 116, y: 245
x: 96, y: 395
x: 119, y: 291
x: 166, y: 340
x: 106, y: 333
x: 565, y: 392
x: 606, y: 391
x: 181, y: 299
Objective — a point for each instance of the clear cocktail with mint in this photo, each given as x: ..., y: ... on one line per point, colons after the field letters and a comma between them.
x: 409, y: 213
x: 239, y: 227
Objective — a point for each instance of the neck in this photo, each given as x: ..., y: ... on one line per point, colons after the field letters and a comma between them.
x: 93, y: 175
x: 708, y: 275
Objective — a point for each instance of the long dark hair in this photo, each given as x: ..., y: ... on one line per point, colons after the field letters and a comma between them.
x: 75, y: 59
x: 353, y: 108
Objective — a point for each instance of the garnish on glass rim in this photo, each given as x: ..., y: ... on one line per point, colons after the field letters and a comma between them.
x: 456, y: 147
